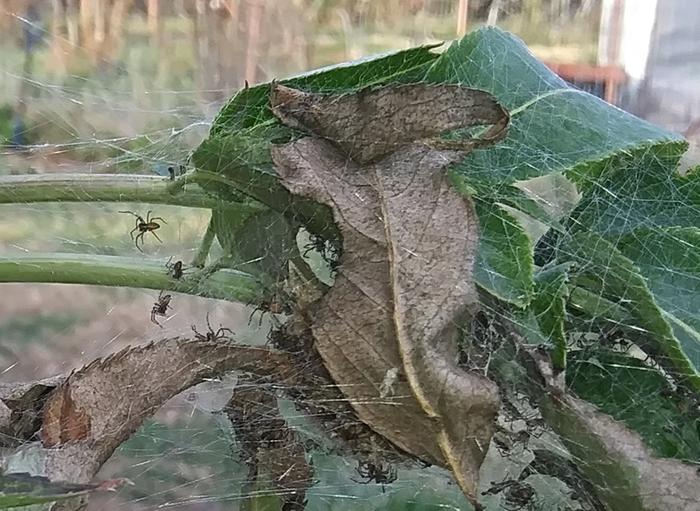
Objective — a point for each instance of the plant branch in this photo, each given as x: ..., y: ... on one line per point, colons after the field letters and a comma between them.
x: 127, y: 272
x: 200, y: 258
x: 100, y: 188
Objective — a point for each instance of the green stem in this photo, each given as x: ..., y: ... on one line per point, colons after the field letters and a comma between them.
x: 127, y: 272
x: 200, y: 258
x: 100, y: 188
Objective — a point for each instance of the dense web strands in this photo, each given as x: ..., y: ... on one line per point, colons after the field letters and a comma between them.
x: 424, y: 280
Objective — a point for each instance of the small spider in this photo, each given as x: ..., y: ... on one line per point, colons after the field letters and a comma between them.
x: 175, y: 270
x: 211, y: 335
x: 144, y: 226
x: 376, y: 473
x: 270, y: 306
x: 175, y: 170
x: 160, y: 307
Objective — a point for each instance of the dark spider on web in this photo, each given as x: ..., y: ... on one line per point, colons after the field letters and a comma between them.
x: 329, y: 250
x: 375, y: 473
x: 211, y: 335
x: 144, y: 226
x: 176, y: 269
x: 160, y: 307
x: 270, y: 305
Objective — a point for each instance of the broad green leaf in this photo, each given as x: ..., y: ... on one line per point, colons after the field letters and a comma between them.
x: 669, y: 260
x: 603, y: 270
x: 504, y: 265
x: 508, y: 195
x: 259, y: 241
x: 554, y: 128
x: 549, y: 305
x: 641, y: 190
x: 639, y: 396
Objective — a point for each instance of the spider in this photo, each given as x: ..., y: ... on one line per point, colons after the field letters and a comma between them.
x: 175, y: 270
x: 375, y: 473
x: 211, y: 335
x: 144, y: 226
x: 269, y: 305
x: 160, y: 307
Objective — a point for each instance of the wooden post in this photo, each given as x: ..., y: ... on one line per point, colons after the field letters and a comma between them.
x: 462, y: 17
x: 152, y: 10
x: 255, y: 14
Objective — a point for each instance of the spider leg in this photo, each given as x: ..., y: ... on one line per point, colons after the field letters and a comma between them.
x: 154, y: 320
x: 250, y: 318
x: 138, y: 217
x: 154, y: 234
x: 136, y: 241
x: 148, y: 216
x: 132, y: 232
x: 158, y: 218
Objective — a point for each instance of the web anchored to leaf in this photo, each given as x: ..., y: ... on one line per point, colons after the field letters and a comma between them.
x: 445, y: 308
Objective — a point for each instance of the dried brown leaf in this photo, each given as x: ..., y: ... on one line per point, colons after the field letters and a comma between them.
x: 387, y: 328
x: 98, y: 407
x: 626, y: 475
x: 20, y: 409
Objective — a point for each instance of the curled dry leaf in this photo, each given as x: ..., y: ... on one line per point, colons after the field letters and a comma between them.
x: 20, y: 409
x: 619, y: 466
x: 626, y: 475
x: 98, y: 407
x: 405, y: 274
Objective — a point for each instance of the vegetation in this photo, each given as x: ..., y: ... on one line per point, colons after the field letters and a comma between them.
x: 598, y: 308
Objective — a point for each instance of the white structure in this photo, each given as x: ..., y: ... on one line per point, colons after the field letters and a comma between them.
x: 657, y: 44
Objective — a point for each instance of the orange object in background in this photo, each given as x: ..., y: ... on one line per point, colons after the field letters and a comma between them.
x: 601, y: 81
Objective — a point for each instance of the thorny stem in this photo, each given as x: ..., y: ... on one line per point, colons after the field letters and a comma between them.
x: 127, y: 272
x: 100, y: 188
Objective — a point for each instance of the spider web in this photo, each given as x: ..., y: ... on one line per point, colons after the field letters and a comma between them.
x: 145, y: 111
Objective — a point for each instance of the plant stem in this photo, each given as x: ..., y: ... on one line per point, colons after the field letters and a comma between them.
x: 200, y: 258
x: 99, y: 187
x: 127, y: 272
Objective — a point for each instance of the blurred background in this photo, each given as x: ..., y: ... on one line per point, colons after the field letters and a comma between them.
x: 130, y: 86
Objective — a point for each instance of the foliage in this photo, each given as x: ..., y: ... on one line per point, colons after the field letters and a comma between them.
x: 620, y: 270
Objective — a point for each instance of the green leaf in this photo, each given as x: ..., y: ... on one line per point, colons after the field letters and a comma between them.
x: 640, y: 190
x: 259, y: 241
x: 549, y: 305
x: 504, y: 265
x: 21, y: 489
x: 602, y: 270
x: 669, y: 260
x: 554, y: 128
x: 639, y: 396
x: 507, y: 195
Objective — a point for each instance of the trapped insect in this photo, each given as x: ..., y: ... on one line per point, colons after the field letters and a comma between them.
x: 144, y: 226
x: 176, y: 269
x: 211, y: 335
x: 160, y: 307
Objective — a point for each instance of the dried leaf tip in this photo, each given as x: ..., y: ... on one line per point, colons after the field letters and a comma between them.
x: 372, y: 123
